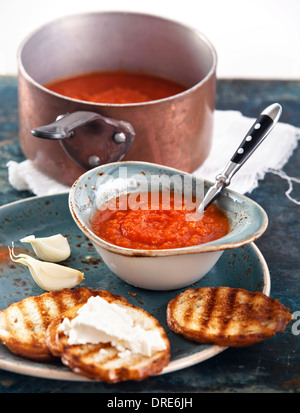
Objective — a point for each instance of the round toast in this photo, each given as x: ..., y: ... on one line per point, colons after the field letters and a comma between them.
x: 102, y: 361
x: 23, y: 324
x: 229, y: 317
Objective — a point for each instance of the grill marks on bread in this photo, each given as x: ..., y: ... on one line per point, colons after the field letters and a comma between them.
x: 23, y: 324
x: 226, y: 316
x: 29, y: 328
x: 223, y: 315
x: 102, y: 361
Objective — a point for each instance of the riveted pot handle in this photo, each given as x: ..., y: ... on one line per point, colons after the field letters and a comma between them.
x: 89, y: 138
x: 65, y: 125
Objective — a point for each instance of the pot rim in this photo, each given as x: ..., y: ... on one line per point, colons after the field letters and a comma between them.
x: 200, y: 35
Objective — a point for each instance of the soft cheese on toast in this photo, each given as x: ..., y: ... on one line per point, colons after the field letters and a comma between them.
x: 226, y: 316
x: 23, y: 324
x: 104, y: 360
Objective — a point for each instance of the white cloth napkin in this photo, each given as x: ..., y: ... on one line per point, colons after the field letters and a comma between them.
x: 270, y: 157
x: 230, y: 127
x: 24, y: 176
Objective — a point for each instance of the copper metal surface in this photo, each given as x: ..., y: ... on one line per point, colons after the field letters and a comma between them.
x: 175, y: 131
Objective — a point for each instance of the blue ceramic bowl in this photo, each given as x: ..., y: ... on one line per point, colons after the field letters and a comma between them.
x: 161, y: 269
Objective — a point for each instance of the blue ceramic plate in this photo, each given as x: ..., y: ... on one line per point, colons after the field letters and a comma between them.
x: 243, y: 267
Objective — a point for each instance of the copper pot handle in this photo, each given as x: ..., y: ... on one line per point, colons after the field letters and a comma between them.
x: 89, y: 138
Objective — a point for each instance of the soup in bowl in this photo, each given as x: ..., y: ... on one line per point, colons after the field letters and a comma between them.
x: 142, y: 219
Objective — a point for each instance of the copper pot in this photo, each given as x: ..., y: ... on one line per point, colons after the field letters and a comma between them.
x: 175, y: 131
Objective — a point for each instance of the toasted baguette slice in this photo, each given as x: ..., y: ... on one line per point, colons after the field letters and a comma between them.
x: 53, y: 339
x: 226, y: 316
x: 23, y: 324
x: 103, y: 361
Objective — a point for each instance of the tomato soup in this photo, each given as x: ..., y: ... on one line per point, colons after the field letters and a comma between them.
x: 163, y: 227
x: 115, y: 87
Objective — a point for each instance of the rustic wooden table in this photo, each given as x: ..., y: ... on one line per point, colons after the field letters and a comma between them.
x: 270, y: 366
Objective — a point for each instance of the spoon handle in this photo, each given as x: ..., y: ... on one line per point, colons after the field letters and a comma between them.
x: 257, y: 133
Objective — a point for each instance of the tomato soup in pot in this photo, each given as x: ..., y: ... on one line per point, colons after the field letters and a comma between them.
x: 117, y: 86
x: 175, y: 131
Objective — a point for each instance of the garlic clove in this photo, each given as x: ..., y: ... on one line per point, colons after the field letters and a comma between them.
x: 54, y: 248
x: 48, y: 275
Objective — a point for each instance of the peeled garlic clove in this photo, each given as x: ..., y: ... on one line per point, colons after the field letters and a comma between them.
x: 54, y: 248
x: 48, y: 275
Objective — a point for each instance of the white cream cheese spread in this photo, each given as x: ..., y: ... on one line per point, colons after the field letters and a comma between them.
x: 101, y: 322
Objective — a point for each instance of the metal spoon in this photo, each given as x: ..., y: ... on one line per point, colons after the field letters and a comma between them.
x: 258, y: 132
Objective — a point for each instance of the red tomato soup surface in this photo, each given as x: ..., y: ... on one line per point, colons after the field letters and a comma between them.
x: 163, y: 227
x: 115, y: 87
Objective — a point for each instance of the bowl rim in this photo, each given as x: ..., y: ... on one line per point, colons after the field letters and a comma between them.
x: 213, y: 246
x: 96, y: 105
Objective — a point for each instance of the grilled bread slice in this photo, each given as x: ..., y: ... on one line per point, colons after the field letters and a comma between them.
x: 23, y: 324
x: 226, y: 316
x: 103, y: 361
x: 53, y: 338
